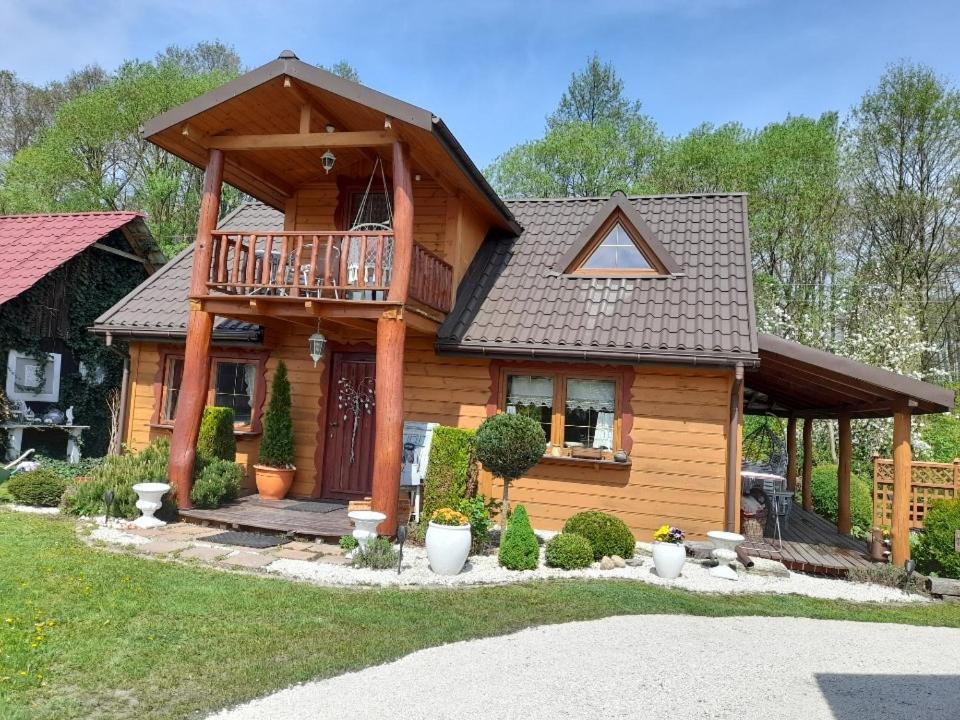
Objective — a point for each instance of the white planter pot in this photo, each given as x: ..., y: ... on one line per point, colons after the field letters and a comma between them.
x: 668, y: 559
x: 447, y: 547
x: 149, y: 496
x: 365, y: 524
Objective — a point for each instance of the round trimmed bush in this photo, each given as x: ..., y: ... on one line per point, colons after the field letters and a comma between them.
x: 569, y: 551
x: 217, y: 484
x: 37, y: 487
x: 607, y: 534
x: 519, y: 549
x: 935, y: 551
x: 508, y: 445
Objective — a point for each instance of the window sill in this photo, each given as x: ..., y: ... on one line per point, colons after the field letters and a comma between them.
x: 584, y: 462
x: 238, y: 432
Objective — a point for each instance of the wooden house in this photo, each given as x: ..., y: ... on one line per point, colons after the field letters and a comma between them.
x: 624, y: 325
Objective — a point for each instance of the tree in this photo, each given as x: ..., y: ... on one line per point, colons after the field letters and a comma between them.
x: 276, y: 446
x: 508, y: 445
x: 342, y: 69
x: 594, y: 96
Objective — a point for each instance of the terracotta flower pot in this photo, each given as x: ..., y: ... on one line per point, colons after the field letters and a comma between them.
x: 273, y: 483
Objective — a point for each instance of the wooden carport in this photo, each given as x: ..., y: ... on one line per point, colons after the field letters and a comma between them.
x: 799, y: 382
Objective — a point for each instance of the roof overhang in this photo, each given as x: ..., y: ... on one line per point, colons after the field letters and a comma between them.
x: 800, y: 381
x: 269, y: 99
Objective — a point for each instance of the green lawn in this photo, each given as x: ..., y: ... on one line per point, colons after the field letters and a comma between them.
x: 86, y: 633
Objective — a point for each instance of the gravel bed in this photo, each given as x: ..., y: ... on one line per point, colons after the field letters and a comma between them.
x: 33, y: 509
x: 115, y: 535
x: 651, y: 666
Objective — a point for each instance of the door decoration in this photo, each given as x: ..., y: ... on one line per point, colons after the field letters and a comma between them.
x: 356, y: 400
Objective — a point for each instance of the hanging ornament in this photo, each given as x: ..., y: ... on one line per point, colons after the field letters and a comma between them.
x: 356, y: 400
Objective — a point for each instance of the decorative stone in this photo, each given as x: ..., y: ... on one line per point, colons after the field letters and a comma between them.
x: 635, y: 561
x: 618, y: 561
x: 607, y: 563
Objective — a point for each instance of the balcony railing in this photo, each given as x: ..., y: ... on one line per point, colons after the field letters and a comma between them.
x: 353, y: 266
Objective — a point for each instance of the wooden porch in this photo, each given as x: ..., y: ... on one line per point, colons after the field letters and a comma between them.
x: 315, y: 519
x: 811, y: 545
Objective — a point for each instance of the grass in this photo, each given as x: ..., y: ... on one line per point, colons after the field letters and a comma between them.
x: 86, y: 633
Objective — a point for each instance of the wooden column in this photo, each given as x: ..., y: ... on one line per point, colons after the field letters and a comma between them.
x: 808, y: 464
x: 791, y: 453
x: 196, y: 365
x: 902, y: 459
x: 843, y: 475
x: 402, y: 224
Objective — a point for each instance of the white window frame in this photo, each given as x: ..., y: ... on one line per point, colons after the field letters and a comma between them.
x: 52, y: 372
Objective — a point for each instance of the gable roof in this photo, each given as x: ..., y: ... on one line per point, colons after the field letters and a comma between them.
x: 158, y: 306
x: 618, y: 203
x: 32, y: 246
x: 514, y: 302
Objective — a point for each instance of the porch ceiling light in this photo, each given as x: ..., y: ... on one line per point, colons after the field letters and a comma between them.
x: 317, y: 343
x: 328, y: 159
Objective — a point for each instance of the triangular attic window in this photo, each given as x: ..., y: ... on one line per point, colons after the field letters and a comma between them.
x: 617, y: 251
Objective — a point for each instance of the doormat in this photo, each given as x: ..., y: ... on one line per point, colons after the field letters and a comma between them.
x: 315, y: 507
x: 248, y: 539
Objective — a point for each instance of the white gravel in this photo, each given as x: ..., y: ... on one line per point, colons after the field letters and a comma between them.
x: 486, y: 571
x: 653, y: 666
x: 32, y: 509
x: 116, y: 536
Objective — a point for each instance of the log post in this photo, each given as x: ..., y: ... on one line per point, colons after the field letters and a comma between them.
x: 792, y: 454
x: 402, y: 224
x: 843, y: 475
x: 902, y: 461
x: 196, y: 364
x: 808, y: 464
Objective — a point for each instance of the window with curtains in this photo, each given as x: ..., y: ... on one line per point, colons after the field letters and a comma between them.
x: 232, y: 384
x: 574, y: 411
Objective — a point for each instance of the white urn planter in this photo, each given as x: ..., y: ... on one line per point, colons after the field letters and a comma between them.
x: 668, y: 559
x: 447, y: 547
x: 365, y: 524
x: 149, y: 497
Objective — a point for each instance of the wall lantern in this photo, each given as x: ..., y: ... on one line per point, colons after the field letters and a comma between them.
x: 317, y: 343
x: 328, y: 159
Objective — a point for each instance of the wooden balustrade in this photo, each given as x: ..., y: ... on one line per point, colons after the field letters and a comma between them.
x: 929, y: 482
x: 431, y: 280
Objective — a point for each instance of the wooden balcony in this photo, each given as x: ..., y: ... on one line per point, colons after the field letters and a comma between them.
x: 342, y: 266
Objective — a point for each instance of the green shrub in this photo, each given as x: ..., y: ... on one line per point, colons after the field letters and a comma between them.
x: 508, y: 445
x: 38, y: 487
x: 935, y: 551
x: 823, y: 488
x: 216, y: 439
x: 276, y: 446
x: 66, y: 470
x: 942, y: 432
x: 519, y: 549
x: 450, y: 471
x: 119, y: 473
x: 607, y: 535
x: 569, y: 551
x: 380, y: 554
x: 479, y: 511
x: 218, y: 483
x: 348, y: 543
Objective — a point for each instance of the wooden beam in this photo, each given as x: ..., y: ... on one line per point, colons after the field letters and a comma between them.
x: 302, y: 141
x: 807, y: 489
x: 791, y: 453
x: 402, y: 224
x: 420, y: 323
x: 305, y: 111
x: 845, y: 458
x: 120, y: 253
x: 902, y: 481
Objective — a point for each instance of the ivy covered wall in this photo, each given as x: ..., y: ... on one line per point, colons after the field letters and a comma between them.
x: 53, y: 316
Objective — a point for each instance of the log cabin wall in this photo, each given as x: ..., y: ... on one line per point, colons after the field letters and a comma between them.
x: 679, y: 432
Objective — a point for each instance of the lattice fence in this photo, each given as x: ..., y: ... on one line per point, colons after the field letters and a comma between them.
x: 928, y: 482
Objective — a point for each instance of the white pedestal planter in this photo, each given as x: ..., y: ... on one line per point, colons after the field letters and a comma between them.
x: 447, y: 547
x: 668, y: 559
x: 365, y: 524
x: 725, y: 552
x: 149, y: 496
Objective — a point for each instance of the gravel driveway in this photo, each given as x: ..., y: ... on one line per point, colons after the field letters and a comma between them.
x: 652, y: 666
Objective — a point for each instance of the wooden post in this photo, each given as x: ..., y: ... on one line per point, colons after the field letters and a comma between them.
x: 843, y: 475
x: 808, y: 464
x: 196, y: 365
x: 791, y: 453
x: 402, y: 224
x: 902, y: 460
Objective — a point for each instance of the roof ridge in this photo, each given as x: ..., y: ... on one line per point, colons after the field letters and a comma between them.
x: 629, y: 197
x: 97, y: 213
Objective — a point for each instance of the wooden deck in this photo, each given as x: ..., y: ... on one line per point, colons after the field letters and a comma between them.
x: 306, y: 518
x: 812, y: 545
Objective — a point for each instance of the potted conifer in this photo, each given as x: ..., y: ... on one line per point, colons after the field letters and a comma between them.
x: 274, y: 473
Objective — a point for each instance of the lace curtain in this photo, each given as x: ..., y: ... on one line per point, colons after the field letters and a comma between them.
x: 600, y: 397
x: 528, y: 390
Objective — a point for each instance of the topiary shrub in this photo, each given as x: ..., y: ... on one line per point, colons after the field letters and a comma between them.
x: 569, y: 551
x: 217, y: 484
x: 450, y: 471
x: 508, y: 445
x: 276, y: 446
x: 823, y: 488
x: 607, y: 534
x: 935, y: 551
x: 519, y: 549
x: 37, y: 487
x: 216, y: 439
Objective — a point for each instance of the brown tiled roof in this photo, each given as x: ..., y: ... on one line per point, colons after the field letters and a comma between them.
x: 515, y: 302
x: 158, y: 306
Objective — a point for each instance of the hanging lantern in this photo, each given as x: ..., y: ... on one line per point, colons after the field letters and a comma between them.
x: 328, y: 159
x: 317, y: 343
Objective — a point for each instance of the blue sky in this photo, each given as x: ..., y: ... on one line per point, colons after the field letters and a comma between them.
x: 494, y: 69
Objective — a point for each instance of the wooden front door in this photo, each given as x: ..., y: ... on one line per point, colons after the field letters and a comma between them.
x: 348, y: 453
